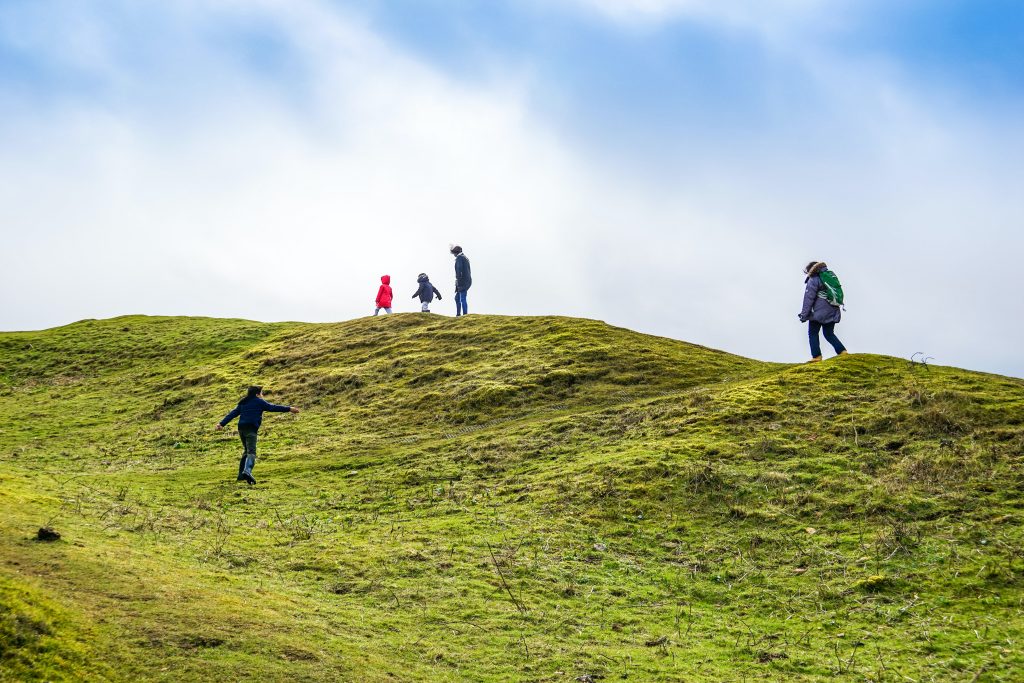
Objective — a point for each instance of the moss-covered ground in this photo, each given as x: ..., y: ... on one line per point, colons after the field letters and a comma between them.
x: 495, y: 499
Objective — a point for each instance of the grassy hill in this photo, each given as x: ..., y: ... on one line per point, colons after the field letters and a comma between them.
x: 494, y: 499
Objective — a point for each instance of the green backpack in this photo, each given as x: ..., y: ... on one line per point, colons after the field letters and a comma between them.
x: 831, y: 290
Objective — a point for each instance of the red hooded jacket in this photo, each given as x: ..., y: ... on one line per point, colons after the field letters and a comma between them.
x: 384, y: 293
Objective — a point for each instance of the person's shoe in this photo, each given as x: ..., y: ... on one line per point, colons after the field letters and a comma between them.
x: 249, y: 479
x: 816, y: 359
x: 844, y: 352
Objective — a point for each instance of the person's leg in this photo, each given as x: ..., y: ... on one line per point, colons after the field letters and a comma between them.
x: 250, y: 455
x: 245, y: 450
x: 812, y: 335
x: 460, y: 303
x: 376, y: 311
x: 425, y: 307
x: 830, y: 336
x: 388, y: 310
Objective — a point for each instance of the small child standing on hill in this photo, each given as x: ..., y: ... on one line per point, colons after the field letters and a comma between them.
x: 384, y: 295
x: 426, y: 292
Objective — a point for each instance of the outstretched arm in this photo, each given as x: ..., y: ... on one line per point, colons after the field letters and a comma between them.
x: 437, y: 293
x: 274, y: 408
x: 229, y: 417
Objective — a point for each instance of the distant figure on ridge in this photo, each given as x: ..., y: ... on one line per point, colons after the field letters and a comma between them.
x: 426, y: 292
x: 463, y: 280
x: 823, y: 295
x: 384, y: 295
x: 249, y: 412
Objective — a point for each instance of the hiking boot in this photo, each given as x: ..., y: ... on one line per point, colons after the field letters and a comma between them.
x: 816, y: 359
x: 844, y: 352
x: 249, y: 479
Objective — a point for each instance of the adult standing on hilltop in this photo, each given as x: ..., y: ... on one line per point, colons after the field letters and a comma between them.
x: 463, y: 280
x: 249, y: 412
x: 822, y: 297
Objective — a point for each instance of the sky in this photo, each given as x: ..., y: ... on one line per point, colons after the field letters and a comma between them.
x: 665, y: 165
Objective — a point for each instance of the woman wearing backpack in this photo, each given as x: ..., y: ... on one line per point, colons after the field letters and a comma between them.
x: 819, y: 312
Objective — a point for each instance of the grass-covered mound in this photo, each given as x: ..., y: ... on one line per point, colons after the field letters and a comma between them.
x: 493, y: 498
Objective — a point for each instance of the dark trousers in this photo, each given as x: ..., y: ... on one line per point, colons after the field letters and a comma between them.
x: 830, y: 336
x: 460, y: 303
x: 247, y: 433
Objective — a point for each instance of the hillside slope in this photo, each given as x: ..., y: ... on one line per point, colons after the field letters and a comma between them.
x: 493, y: 498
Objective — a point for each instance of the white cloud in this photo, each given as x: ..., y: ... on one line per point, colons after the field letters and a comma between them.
x: 255, y: 209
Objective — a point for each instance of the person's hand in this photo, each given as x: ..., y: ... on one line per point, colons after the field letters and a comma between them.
x: 802, y: 319
x: 219, y: 426
x: 293, y: 409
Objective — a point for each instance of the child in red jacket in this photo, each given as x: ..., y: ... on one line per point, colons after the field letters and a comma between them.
x: 384, y: 295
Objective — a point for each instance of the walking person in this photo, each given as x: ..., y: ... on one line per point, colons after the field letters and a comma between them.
x: 249, y: 412
x: 823, y: 295
x: 426, y: 292
x: 384, y: 295
x: 463, y: 280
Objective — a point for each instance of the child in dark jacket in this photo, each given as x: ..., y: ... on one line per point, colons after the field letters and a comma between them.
x: 426, y: 292
x: 249, y: 412
x: 384, y: 295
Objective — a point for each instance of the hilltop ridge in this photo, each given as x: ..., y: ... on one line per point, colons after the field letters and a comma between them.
x: 496, y: 498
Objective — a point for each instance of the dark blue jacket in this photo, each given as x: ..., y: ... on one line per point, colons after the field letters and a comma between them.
x: 463, y: 278
x: 251, y: 412
x: 817, y: 307
x: 426, y: 291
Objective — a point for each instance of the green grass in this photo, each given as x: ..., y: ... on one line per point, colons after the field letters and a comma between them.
x: 497, y: 498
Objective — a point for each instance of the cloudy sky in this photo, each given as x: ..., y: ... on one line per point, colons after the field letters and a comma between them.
x: 665, y: 165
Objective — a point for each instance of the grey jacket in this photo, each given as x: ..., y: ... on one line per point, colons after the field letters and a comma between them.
x: 817, y: 308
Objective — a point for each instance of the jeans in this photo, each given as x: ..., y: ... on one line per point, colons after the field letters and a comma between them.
x: 386, y: 310
x: 460, y: 303
x: 830, y: 337
x: 247, y: 433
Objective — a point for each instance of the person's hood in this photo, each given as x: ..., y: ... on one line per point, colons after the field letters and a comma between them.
x: 422, y: 278
x: 816, y: 268
x: 385, y: 279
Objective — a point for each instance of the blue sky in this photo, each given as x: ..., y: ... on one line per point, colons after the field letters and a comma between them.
x: 638, y: 161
